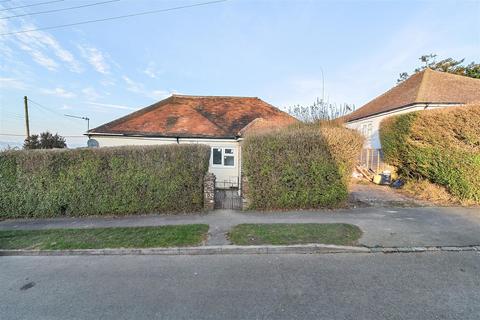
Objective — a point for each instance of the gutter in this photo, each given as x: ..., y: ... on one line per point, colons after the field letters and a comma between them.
x: 411, y: 105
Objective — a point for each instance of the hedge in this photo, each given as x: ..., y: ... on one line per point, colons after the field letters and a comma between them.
x: 442, y: 146
x: 103, y: 181
x: 304, y: 166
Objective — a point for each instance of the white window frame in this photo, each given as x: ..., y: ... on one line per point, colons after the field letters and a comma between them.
x: 367, y: 130
x: 222, y: 165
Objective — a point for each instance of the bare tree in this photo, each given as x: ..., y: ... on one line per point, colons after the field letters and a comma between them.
x: 320, y: 110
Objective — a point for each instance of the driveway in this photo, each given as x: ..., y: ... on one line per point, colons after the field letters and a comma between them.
x: 385, y: 227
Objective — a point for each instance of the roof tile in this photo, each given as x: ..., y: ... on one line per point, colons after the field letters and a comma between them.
x: 428, y: 86
x: 196, y: 116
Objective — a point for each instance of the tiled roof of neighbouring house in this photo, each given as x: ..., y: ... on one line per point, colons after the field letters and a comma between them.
x: 427, y: 86
x: 196, y: 117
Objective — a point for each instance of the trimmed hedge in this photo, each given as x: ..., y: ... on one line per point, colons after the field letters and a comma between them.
x: 304, y: 166
x: 104, y: 181
x: 442, y: 146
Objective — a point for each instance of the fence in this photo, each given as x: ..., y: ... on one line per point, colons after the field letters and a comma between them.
x: 372, y: 159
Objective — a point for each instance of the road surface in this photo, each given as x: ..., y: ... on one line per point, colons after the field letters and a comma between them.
x: 439, y: 285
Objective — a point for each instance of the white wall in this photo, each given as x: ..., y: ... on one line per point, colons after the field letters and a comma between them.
x: 222, y: 173
x: 373, y: 141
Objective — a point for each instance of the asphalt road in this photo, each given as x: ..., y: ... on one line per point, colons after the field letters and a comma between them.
x: 440, y: 285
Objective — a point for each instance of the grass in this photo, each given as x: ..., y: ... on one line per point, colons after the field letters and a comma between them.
x: 427, y: 191
x: 284, y: 233
x: 98, y: 238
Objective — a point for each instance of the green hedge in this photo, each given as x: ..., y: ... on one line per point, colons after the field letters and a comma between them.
x: 304, y: 166
x: 104, y: 181
x: 442, y: 146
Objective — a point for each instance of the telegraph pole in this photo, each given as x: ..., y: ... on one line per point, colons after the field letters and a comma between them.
x: 27, y: 123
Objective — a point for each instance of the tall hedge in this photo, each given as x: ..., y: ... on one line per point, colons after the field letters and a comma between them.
x: 304, y: 166
x: 442, y: 146
x: 104, y: 181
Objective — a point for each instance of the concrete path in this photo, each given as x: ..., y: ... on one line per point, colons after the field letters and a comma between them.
x: 385, y: 227
x: 427, y: 286
x: 372, y: 195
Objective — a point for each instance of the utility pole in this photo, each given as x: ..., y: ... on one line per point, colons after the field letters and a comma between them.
x: 27, y: 123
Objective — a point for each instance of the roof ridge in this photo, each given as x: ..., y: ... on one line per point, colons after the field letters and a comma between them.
x: 132, y: 114
x: 196, y: 96
x: 209, y: 120
x: 389, y: 90
x: 421, y: 86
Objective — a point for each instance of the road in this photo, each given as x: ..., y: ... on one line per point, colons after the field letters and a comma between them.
x: 439, y: 285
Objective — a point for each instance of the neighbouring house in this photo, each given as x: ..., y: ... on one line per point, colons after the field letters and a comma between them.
x: 220, y: 122
x: 427, y: 89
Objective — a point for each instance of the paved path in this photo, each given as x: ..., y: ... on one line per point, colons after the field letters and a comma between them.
x: 372, y: 195
x: 386, y: 227
x: 342, y: 286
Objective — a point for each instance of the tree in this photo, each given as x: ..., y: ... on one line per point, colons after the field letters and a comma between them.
x: 32, y: 142
x: 320, y: 110
x: 46, y: 141
x: 449, y: 65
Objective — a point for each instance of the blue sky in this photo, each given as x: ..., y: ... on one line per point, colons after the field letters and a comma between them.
x: 275, y: 50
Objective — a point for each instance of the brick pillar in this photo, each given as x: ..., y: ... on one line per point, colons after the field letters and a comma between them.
x: 244, y: 192
x: 209, y: 191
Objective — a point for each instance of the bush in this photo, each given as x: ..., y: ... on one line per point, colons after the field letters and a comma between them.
x: 303, y: 166
x: 104, y: 181
x: 442, y: 146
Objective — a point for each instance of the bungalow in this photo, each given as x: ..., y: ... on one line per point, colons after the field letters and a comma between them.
x: 427, y: 89
x: 220, y: 122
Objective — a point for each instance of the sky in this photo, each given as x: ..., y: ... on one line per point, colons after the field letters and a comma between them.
x: 284, y: 52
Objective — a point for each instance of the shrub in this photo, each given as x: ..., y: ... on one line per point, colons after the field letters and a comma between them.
x: 442, y: 146
x: 104, y: 181
x: 303, y: 166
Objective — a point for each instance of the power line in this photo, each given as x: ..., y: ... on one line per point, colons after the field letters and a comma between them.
x: 62, y: 9
x: 52, y: 111
x: 43, y: 107
x: 114, y: 18
x: 23, y: 135
x: 31, y: 5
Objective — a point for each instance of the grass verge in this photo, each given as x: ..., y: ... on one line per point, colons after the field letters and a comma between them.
x: 301, y: 233
x: 99, y: 238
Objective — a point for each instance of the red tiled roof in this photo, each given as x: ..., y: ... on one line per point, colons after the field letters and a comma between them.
x: 196, y: 116
x: 427, y: 86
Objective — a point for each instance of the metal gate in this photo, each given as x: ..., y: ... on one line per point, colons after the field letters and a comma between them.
x: 228, y: 199
x: 372, y: 159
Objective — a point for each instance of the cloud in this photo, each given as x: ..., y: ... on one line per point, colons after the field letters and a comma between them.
x: 113, y: 106
x: 133, y: 86
x: 107, y: 82
x: 41, y: 46
x: 152, y: 71
x: 91, y: 94
x: 66, y: 107
x: 59, y: 92
x: 96, y: 58
x: 40, y: 58
x: 12, y: 83
x: 47, y: 41
x: 139, y: 88
x: 159, y: 94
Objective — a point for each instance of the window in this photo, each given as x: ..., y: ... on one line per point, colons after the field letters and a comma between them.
x: 223, y: 157
x: 366, y: 130
x: 217, y: 156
